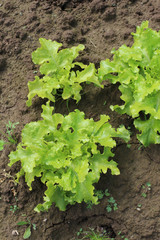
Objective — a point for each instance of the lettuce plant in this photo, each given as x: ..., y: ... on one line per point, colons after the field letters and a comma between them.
x: 60, y: 72
x: 137, y: 70
x: 68, y: 153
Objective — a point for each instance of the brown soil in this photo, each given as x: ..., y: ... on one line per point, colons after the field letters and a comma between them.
x: 100, y: 25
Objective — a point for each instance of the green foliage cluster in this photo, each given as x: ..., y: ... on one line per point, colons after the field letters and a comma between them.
x: 137, y: 70
x: 64, y: 152
x: 111, y: 205
x: 146, y: 188
x: 14, y: 208
x: 70, y: 152
x: 60, y: 72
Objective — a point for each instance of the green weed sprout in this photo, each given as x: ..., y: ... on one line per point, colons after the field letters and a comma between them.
x: 30, y: 225
x: 93, y: 235
x: 9, y: 135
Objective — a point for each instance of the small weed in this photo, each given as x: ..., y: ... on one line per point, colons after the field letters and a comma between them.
x: 10, y: 130
x: 148, y: 185
x: 146, y: 188
x: 140, y: 146
x: 92, y: 234
x: 130, y: 131
x: 14, y: 208
x: 30, y: 225
x: 139, y: 207
x: 112, y: 205
x: 107, y: 194
x: 144, y: 195
x: 9, y: 135
x: 89, y: 205
x: 80, y: 232
x: 109, y: 208
x: 122, y: 236
x: 99, y: 194
x: 105, y: 102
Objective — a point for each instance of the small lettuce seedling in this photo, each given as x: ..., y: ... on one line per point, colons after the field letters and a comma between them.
x: 68, y: 154
x: 137, y: 70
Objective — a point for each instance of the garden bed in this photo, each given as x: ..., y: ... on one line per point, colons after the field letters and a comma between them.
x: 100, y: 26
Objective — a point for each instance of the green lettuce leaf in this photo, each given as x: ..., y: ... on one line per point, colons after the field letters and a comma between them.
x: 149, y: 131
